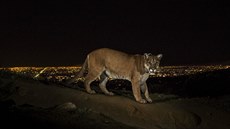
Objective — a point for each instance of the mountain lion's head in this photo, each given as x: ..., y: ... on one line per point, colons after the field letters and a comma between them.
x: 152, y: 62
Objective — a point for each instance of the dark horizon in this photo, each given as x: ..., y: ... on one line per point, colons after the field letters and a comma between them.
x: 62, y: 34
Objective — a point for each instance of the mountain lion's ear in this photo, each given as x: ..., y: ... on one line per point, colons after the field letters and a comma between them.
x: 146, y: 55
x: 159, y: 56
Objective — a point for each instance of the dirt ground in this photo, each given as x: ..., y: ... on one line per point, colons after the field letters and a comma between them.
x: 26, y: 103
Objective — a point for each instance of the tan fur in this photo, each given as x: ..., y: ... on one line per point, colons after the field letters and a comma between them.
x: 107, y: 63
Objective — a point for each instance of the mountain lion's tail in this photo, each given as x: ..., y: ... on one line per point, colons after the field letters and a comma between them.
x: 81, y: 72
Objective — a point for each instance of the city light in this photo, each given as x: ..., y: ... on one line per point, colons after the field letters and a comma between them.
x: 58, y: 74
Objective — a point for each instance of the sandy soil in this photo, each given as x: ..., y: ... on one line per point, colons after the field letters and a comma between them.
x: 30, y: 103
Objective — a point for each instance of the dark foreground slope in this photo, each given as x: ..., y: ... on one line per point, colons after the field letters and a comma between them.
x: 199, y: 101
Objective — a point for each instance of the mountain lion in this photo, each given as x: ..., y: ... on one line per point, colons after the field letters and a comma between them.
x: 106, y: 63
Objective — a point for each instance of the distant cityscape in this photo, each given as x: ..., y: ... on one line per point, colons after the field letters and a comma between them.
x: 59, y: 74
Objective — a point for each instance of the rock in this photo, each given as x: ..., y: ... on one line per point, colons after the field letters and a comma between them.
x: 66, y: 107
x: 184, y: 119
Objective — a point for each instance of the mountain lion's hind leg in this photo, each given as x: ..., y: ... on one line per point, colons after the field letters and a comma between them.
x: 90, y: 77
x: 102, y: 86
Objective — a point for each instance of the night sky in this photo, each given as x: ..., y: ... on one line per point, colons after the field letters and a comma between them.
x: 61, y: 34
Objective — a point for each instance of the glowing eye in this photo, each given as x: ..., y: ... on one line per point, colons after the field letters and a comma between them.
x: 150, y: 70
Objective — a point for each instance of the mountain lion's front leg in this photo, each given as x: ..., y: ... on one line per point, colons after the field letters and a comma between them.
x: 137, y: 91
x: 145, y: 90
